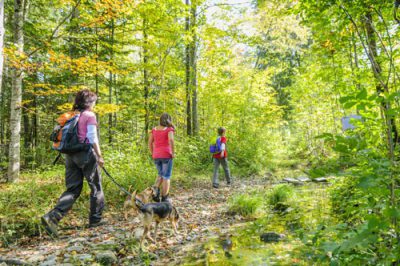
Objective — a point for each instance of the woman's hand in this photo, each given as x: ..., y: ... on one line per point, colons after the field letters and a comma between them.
x: 100, y: 161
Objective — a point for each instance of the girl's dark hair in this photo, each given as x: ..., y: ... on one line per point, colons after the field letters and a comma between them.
x: 221, y: 130
x: 166, y: 120
x: 84, y: 99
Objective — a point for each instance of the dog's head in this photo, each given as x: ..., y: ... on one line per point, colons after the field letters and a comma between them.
x: 146, y: 195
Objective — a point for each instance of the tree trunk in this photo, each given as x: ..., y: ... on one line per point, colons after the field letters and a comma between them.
x: 187, y: 72
x: 146, y: 84
x: 381, y: 87
x: 16, y: 96
x: 110, y: 90
x: 1, y: 43
x: 195, y: 129
x: 116, y: 99
x: 2, y: 108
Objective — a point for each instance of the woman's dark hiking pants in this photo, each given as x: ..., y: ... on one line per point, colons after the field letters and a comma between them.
x: 78, y: 166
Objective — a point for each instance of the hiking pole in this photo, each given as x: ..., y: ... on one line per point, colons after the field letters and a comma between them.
x: 116, y: 183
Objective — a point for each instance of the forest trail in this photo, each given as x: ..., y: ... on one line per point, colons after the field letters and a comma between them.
x: 203, y: 212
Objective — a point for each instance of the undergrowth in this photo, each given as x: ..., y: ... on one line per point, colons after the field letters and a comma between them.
x: 245, y: 204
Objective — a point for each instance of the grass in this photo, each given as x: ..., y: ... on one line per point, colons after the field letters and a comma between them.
x: 23, y: 202
x: 281, y: 197
x: 245, y: 204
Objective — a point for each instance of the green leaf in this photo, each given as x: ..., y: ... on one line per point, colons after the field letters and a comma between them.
x: 363, y: 94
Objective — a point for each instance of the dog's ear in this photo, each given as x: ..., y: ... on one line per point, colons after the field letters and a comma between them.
x: 134, y: 194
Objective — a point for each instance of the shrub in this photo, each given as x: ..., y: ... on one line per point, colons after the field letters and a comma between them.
x: 244, y: 204
x: 280, y: 197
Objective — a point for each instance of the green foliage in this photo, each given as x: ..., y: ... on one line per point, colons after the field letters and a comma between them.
x: 22, y: 204
x: 280, y: 197
x: 245, y: 204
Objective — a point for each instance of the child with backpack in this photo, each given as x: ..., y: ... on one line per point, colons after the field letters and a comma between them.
x: 220, y: 157
x: 77, y: 138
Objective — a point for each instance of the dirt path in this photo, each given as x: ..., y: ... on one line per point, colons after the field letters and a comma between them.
x: 203, y: 214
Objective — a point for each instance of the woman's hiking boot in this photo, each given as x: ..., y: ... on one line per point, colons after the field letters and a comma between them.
x: 50, y: 224
x: 97, y: 224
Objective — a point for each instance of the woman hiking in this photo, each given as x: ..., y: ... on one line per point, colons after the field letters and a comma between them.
x: 80, y: 165
x: 161, y: 146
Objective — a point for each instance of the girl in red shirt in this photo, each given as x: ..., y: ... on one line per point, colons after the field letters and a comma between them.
x: 161, y: 145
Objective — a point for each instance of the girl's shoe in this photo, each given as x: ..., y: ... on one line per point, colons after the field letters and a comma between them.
x: 165, y: 198
x: 157, y: 196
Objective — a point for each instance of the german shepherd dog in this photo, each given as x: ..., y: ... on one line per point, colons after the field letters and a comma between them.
x: 145, y: 196
x: 156, y: 212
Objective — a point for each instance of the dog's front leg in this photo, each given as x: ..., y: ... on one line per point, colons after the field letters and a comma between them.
x: 155, y: 232
x: 174, y: 226
x: 145, y: 233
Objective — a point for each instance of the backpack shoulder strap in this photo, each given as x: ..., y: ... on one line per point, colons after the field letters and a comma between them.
x: 74, y: 123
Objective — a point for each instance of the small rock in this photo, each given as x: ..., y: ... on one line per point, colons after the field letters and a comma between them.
x: 36, y: 258
x: 214, y: 251
x: 271, y: 237
x: 138, y: 233
x: 108, y: 242
x: 77, y: 240
x: 77, y: 248
x: 292, y: 181
x: 320, y: 179
x: 50, y: 261
x: 227, y: 244
x: 304, y: 179
x: 106, y: 257
x: 84, y: 257
x: 13, y: 261
x: 120, y: 235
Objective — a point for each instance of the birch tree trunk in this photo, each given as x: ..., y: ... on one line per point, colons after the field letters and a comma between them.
x: 146, y: 83
x: 2, y: 32
x: 1, y: 42
x: 193, y: 62
x: 188, y: 75
x: 110, y: 85
x: 16, y: 96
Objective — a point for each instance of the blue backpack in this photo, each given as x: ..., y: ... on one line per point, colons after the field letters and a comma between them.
x: 216, y: 148
x: 65, y: 135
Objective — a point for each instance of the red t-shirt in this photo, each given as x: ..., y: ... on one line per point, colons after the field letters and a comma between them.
x: 161, y: 147
x: 218, y: 155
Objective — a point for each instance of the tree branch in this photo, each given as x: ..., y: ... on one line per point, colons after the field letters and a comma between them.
x: 52, y: 36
